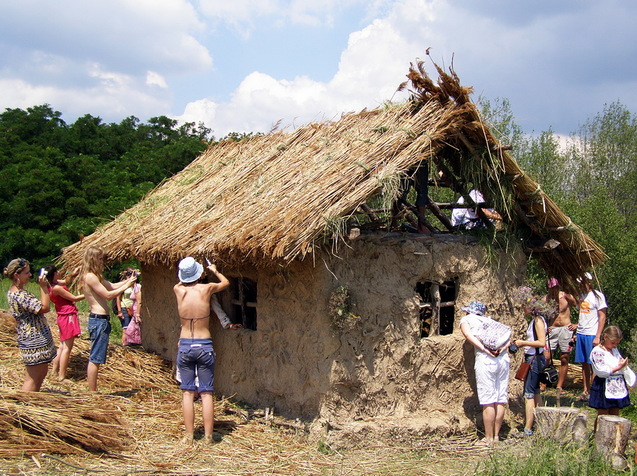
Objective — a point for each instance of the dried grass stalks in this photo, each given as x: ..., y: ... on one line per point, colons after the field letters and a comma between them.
x: 33, y: 423
x: 66, y: 419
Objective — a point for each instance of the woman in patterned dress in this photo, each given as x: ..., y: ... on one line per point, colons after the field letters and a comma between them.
x: 34, y: 334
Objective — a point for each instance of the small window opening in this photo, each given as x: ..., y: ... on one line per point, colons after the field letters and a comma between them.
x: 243, y: 302
x: 437, y: 308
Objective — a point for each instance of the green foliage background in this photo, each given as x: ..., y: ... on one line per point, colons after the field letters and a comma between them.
x: 60, y: 181
x: 592, y: 176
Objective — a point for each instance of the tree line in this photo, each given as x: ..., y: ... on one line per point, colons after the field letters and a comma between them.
x: 60, y: 181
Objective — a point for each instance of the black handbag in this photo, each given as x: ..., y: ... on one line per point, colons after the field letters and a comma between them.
x: 549, y: 375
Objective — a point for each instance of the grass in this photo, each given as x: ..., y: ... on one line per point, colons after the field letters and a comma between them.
x: 546, y: 457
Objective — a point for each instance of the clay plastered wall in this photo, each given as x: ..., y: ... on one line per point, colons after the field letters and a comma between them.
x: 160, y: 327
x: 382, y: 367
x: 285, y: 364
x: 377, y: 366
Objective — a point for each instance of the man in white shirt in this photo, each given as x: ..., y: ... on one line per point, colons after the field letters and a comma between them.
x: 591, y: 322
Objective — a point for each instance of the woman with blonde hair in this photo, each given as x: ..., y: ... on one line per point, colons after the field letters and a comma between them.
x: 608, y: 389
x: 98, y: 291
x: 34, y: 334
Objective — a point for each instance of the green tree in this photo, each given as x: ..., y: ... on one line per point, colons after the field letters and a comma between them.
x: 61, y: 181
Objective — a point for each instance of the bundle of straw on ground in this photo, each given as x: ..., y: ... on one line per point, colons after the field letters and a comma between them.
x: 42, y: 422
x: 134, y: 425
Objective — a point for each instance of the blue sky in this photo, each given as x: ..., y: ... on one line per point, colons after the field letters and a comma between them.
x: 247, y: 64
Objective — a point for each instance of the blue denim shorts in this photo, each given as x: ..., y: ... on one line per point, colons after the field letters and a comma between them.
x: 126, y: 318
x: 532, y: 382
x: 196, y: 360
x: 99, y: 330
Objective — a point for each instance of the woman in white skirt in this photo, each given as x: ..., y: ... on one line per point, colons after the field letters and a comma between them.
x: 491, y: 369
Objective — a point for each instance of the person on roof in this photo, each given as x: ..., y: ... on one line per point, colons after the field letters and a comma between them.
x: 468, y: 218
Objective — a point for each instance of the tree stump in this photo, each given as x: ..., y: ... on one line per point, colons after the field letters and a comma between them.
x: 611, y: 438
x: 562, y: 424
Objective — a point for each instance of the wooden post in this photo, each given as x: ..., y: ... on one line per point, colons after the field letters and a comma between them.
x: 435, y: 307
x: 562, y: 424
x: 611, y: 438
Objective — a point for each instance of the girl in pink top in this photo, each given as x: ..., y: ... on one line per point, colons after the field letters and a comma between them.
x: 67, y: 319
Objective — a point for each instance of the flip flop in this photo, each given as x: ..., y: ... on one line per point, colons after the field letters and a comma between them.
x: 583, y: 397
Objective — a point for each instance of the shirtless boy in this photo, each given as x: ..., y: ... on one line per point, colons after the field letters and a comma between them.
x: 196, y: 357
x: 97, y: 292
x: 560, y: 329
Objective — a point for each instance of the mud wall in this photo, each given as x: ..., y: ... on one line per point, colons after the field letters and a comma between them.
x: 374, y: 366
x: 382, y: 368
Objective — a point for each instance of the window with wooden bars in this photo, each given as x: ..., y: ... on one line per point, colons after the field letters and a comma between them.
x: 437, y: 306
x: 241, y: 299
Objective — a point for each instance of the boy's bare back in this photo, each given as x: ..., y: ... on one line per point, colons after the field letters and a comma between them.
x: 193, y: 305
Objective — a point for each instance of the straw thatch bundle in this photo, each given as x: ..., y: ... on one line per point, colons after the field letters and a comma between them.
x: 37, y: 422
x: 276, y: 197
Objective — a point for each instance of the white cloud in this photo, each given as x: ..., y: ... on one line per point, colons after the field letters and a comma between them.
x: 105, y: 57
x: 122, y: 57
x: 203, y: 110
x: 112, y: 100
x: 129, y: 34
x: 537, y: 58
x: 156, y: 79
x: 245, y: 15
x: 370, y: 70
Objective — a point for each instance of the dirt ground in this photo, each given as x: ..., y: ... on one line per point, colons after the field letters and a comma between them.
x: 138, y: 408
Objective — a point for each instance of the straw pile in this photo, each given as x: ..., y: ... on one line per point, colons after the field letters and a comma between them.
x: 33, y: 423
x: 276, y: 197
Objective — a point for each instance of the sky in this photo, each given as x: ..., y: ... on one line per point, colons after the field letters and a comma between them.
x: 250, y: 65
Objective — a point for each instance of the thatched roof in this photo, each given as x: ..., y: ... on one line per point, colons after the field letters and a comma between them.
x: 274, y: 198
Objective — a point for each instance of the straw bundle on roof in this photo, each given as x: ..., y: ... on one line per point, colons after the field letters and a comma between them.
x: 274, y: 198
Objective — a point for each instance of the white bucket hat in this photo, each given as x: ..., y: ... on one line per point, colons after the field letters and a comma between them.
x: 189, y: 270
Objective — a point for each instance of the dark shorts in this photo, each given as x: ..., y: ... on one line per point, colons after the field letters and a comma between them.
x: 196, y: 360
x: 99, y: 330
x: 126, y: 318
x: 532, y: 382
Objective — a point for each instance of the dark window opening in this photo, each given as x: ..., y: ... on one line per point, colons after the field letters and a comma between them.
x: 243, y: 302
x: 437, y: 307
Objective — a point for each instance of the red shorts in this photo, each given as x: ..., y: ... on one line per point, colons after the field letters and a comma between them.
x: 69, y: 325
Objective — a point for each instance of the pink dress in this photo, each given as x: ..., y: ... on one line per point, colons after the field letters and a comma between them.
x: 67, y: 319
